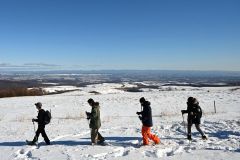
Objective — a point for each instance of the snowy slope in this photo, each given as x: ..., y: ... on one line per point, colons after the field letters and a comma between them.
x: 121, y: 127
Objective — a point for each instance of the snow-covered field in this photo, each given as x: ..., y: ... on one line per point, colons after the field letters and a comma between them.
x: 69, y: 132
x: 59, y: 88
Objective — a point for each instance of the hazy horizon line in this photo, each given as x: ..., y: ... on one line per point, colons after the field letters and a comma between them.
x: 99, y: 70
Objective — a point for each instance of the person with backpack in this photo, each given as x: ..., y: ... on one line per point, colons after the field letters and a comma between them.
x: 194, y: 112
x: 146, y: 117
x: 95, y: 122
x: 42, y: 120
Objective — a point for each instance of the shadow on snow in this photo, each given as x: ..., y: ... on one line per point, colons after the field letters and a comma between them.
x: 224, y: 134
x: 122, y: 141
x: 115, y: 141
x: 13, y: 144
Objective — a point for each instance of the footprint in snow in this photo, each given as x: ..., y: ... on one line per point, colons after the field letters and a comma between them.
x: 22, y: 151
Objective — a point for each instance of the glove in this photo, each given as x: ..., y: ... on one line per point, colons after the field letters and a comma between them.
x: 88, y: 115
x: 140, y: 117
x: 182, y: 111
x: 138, y: 113
x: 33, y: 120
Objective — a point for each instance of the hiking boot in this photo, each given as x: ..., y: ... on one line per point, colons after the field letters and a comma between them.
x: 189, y: 137
x: 204, y: 137
x: 31, y: 143
x: 101, y: 141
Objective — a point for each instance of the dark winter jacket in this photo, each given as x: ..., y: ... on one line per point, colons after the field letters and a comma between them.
x: 147, y: 114
x: 95, y: 121
x: 40, y: 117
x: 194, y: 112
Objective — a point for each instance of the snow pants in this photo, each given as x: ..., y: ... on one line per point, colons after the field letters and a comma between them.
x: 195, y: 121
x: 197, y: 127
x: 41, y: 129
x: 146, y: 133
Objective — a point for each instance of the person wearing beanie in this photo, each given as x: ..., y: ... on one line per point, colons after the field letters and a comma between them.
x: 41, y: 125
x: 95, y: 122
x: 194, y: 112
x: 146, y: 117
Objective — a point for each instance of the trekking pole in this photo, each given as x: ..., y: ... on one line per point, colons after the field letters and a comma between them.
x: 34, y: 127
x: 184, y: 125
x: 35, y: 132
x: 88, y: 119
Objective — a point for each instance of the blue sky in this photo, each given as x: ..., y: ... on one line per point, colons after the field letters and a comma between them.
x: 120, y: 34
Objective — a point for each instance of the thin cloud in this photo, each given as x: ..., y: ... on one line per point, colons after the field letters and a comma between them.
x: 41, y: 65
x: 29, y: 66
x: 4, y: 64
x: 8, y: 65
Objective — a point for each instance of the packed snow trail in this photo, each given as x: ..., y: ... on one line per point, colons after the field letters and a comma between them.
x: 222, y: 135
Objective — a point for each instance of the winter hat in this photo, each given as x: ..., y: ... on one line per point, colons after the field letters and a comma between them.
x: 141, y: 100
x: 90, y: 101
x: 190, y: 100
x: 38, y: 104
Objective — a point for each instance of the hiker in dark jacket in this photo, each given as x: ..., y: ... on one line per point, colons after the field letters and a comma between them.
x: 194, y: 112
x: 95, y: 122
x: 146, y: 118
x: 41, y: 125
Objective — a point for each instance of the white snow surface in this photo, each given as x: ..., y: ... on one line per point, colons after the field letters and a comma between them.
x: 59, y: 88
x: 70, y: 135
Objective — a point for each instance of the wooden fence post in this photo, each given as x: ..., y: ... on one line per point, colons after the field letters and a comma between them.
x: 215, y: 107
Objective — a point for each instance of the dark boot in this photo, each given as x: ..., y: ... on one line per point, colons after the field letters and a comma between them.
x: 47, y: 142
x: 35, y: 139
x: 189, y: 137
x: 100, y: 138
x: 204, y: 137
x: 31, y: 143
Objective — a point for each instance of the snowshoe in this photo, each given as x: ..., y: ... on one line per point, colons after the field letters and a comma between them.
x: 31, y: 143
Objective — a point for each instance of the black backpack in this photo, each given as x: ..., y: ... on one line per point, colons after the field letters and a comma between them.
x: 198, y: 111
x: 47, y: 117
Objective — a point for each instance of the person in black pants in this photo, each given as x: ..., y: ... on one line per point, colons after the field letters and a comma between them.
x: 41, y: 125
x: 194, y: 112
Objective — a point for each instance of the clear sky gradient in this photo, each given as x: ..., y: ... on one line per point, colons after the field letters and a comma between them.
x: 120, y: 34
